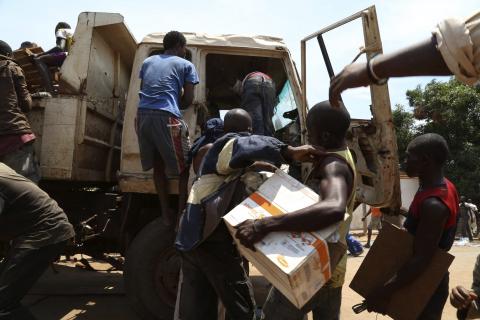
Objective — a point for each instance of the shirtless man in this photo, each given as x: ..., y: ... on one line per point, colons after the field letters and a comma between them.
x: 333, y: 178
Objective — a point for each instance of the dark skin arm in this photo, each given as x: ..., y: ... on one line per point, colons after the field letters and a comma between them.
x: 188, y: 95
x: 197, y: 160
x: 335, y: 187
x: 434, y: 216
x: 420, y: 59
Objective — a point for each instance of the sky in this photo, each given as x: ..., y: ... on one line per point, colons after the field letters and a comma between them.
x: 401, y: 23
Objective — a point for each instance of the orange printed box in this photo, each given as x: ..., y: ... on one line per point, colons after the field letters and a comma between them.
x: 297, y: 264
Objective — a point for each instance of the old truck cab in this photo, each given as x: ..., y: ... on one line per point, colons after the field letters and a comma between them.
x: 151, y: 269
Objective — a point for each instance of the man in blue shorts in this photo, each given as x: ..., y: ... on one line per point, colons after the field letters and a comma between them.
x: 162, y: 133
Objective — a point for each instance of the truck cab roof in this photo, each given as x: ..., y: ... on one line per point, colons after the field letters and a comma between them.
x: 223, y: 40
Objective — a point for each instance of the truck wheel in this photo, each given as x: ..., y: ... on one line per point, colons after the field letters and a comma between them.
x: 151, y: 272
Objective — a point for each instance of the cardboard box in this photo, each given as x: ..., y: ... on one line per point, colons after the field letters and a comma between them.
x: 296, y: 264
x: 390, y: 251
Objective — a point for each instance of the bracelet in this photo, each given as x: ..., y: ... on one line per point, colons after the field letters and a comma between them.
x: 371, y: 74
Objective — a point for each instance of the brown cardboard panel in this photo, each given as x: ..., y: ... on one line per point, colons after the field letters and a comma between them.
x: 390, y: 251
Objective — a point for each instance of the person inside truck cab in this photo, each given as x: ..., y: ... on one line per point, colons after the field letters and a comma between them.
x: 162, y: 133
x: 212, y: 267
x: 16, y: 136
x: 333, y: 178
x: 259, y: 99
x: 55, y: 56
x: 453, y: 49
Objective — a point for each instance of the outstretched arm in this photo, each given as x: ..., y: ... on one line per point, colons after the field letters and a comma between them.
x: 420, y: 59
x: 334, y: 191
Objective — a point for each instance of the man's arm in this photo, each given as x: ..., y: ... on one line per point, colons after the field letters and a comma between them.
x: 242, y: 152
x: 434, y: 215
x: 188, y: 95
x: 334, y: 191
x: 462, y: 298
x: 197, y: 160
x: 24, y: 98
x: 420, y: 59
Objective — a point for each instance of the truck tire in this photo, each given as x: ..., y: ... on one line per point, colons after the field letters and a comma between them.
x: 151, y: 272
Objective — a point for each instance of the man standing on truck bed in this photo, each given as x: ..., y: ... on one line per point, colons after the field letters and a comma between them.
x: 16, y: 136
x: 37, y: 229
x: 333, y: 178
x: 162, y: 133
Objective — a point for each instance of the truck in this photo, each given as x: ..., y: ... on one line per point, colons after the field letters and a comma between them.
x: 88, y: 149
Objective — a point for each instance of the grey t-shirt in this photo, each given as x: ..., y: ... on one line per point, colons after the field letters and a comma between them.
x: 28, y: 216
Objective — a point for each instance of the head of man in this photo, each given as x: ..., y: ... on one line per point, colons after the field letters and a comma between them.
x: 5, y: 49
x: 175, y: 44
x: 426, y: 153
x: 28, y: 45
x: 327, y: 126
x: 62, y: 25
x: 462, y: 199
x: 237, y: 120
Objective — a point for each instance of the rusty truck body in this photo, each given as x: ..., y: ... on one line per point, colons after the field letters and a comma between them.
x: 89, y: 152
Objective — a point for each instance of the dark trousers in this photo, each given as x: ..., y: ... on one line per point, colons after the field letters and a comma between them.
x: 434, y: 308
x: 259, y: 100
x: 325, y: 305
x: 18, y: 273
x: 214, y: 271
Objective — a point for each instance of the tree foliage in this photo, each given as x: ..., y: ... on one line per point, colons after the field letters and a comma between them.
x: 452, y: 110
x: 404, y: 126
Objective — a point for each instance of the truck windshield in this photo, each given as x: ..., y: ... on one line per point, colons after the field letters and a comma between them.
x: 286, y: 103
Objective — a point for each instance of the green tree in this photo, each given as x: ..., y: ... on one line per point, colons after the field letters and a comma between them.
x: 453, y: 111
x: 404, y: 126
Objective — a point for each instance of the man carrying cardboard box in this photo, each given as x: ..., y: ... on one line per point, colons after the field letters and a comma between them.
x: 333, y: 178
x: 431, y: 220
x: 211, y: 265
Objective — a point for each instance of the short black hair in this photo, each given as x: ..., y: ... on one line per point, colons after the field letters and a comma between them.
x: 27, y: 44
x: 174, y: 39
x: 237, y: 120
x: 62, y: 25
x: 5, y: 49
x: 329, y: 119
x: 432, y: 145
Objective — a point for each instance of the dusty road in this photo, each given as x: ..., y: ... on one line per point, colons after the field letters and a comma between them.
x: 74, y: 293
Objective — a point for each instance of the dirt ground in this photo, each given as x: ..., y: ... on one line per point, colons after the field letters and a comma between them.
x: 75, y: 293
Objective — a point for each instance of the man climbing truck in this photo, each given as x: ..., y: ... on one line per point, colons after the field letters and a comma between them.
x: 89, y: 151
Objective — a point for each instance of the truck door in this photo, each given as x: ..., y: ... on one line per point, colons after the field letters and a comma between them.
x: 372, y: 141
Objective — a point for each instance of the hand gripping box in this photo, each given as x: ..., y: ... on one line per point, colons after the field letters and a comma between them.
x: 297, y: 264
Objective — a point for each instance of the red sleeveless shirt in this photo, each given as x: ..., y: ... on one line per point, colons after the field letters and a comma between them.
x: 447, y: 193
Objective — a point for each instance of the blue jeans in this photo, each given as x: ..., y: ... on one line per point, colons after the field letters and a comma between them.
x: 325, y: 305
x: 259, y: 100
x: 18, y: 273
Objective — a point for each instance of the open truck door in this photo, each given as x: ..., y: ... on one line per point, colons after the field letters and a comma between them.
x: 372, y: 142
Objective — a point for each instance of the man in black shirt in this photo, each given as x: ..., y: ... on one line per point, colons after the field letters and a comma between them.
x: 37, y: 229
